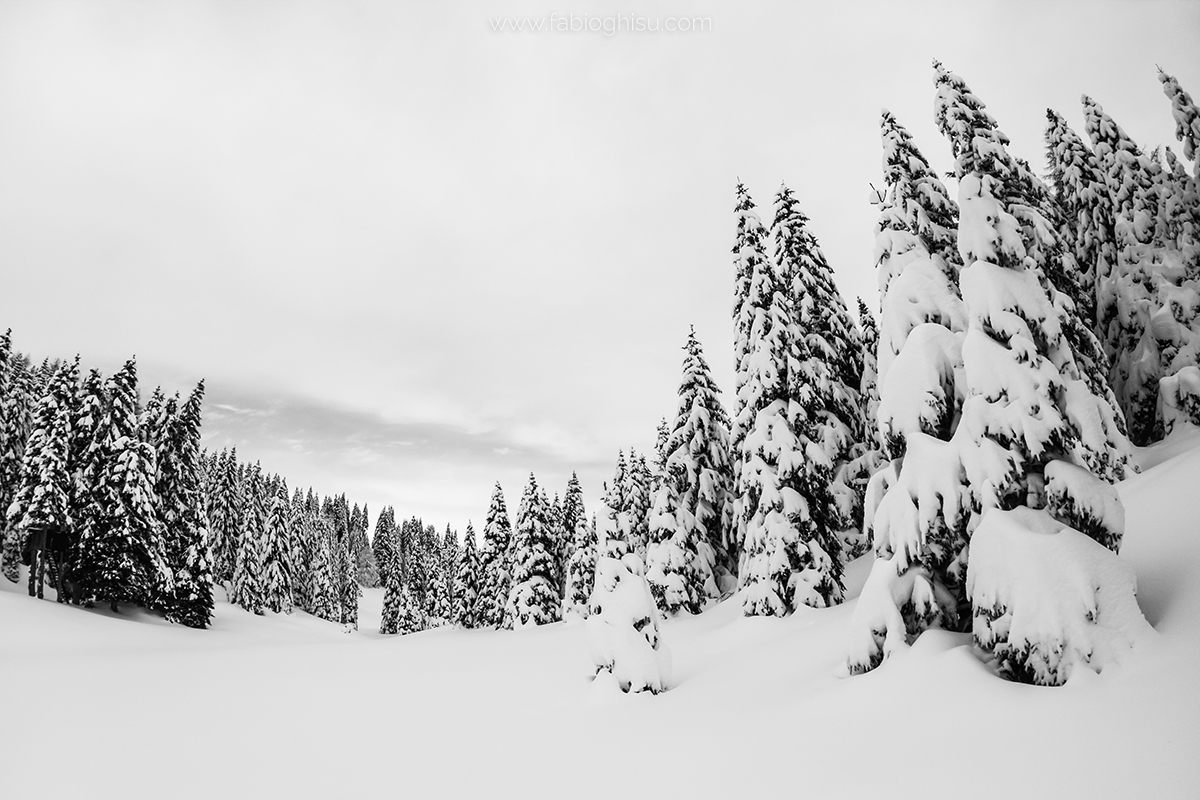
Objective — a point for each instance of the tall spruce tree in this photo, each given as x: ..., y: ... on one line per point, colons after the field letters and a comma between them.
x: 833, y: 348
x: 790, y: 551
x: 749, y: 259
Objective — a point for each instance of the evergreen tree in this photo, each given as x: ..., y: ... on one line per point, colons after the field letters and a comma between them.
x: 533, y: 599
x: 367, y: 570
x: 1022, y: 424
x: 277, y: 564
x: 466, y: 583
x: 868, y: 388
x: 120, y: 559
x: 181, y: 512
x: 690, y: 520
x: 833, y: 370
x: 637, y: 503
x: 247, y: 588
x: 495, y: 576
x: 384, y: 544
x: 42, y: 503
x: 581, y: 568
x: 225, y: 518
x: 749, y: 258
x: 790, y: 553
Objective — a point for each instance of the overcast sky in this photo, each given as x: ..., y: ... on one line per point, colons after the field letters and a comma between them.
x: 411, y: 255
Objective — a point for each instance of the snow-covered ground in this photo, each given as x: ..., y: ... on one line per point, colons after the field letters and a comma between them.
x: 100, y: 705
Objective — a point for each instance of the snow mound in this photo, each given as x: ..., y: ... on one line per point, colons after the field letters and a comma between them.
x: 623, y: 627
x: 1046, y: 598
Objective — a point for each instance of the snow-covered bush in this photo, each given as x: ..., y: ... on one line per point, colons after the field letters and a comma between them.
x: 622, y: 624
x: 1046, y: 599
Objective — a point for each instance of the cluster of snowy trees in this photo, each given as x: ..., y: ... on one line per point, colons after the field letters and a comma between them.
x: 111, y: 500
x: 533, y: 573
x: 276, y: 551
x: 103, y: 496
x: 1026, y: 333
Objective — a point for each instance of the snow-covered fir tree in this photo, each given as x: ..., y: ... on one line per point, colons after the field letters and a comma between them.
x: 749, y: 258
x: 623, y: 622
x: 791, y: 553
x: 692, y: 510
x: 277, y: 564
x: 247, y: 586
x: 384, y: 544
x: 533, y: 598
x: 41, y: 506
x: 466, y: 583
x: 581, y: 568
x: 120, y: 558
x: 637, y: 503
x: 833, y: 352
x: 495, y: 575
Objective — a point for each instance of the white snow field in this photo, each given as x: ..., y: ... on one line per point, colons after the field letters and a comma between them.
x: 96, y: 705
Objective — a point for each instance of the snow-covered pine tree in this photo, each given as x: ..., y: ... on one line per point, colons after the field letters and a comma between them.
x: 868, y: 388
x: 690, y: 520
x: 41, y: 505
x: 345, y: 564
x: 301, y: 553
x: 120, y: 558
x: 749, y: 257
x: 13, y: 435
x: 384, y: 544
x: 247, y: 588
x: 466, y: 583
x: 367, y: 570
x: 450, y: 553
x: 85, y: 462
x: 437, y: 601
x: 1039, y: 436
x: 637, y: 502
x: 1131, y: 179
x: 834, y: 357
x: 325, y: 599
x: 495, y: 580
x: 581, y: 567
x: 572, y: 511
x: 1080, y: 191
x: 277, y: 565
x: 190, y: 564
x: 917, y: 507
x: 615, y: 498
x: 225, y: 518
x: 533, y: 598
x: 791, y: 553
x: 623, y: 622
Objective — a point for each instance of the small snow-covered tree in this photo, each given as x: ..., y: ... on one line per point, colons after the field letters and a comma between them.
x: 623, y: 622
x: 384, y: 544
x: 533, y: 599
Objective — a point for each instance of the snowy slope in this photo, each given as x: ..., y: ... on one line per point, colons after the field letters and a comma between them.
x: 100, y: 705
